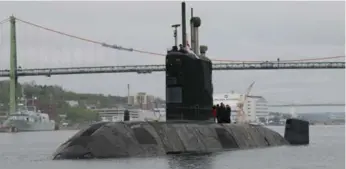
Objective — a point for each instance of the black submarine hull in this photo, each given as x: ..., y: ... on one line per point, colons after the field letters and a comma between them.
x: 134, y: 139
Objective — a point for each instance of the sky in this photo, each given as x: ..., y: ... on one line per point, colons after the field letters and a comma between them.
x: 232, y: 30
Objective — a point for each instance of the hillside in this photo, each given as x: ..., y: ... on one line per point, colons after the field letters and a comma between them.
x: 52, y: 100
x: 58, y: 93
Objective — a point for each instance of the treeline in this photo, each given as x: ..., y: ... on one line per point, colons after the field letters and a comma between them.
x: 52, y: 100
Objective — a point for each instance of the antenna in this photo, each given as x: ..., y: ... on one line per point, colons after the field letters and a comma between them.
x: 175, y: 34
x: 128, y: 94
x: 192, y: 33
x: 183, y: 24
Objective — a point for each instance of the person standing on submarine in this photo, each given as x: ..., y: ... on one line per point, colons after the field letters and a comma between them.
x: 218, y: 113
x: 214, y: 112
x: 228, y: 114
x: 222, y: 113
x: 126, y: 115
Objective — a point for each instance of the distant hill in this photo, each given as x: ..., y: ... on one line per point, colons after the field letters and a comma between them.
x: 323, y: 116
x: 315, y: 117
x: 52, y: 99
x: 57, y: 93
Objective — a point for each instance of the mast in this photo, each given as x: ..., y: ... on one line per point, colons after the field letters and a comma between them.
x: 183, y: 24
x: 13, y: 67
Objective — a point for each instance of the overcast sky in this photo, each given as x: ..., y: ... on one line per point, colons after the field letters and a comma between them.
x: 232, y: 30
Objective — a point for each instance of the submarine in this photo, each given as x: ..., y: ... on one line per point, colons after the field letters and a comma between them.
x: 189, y: 126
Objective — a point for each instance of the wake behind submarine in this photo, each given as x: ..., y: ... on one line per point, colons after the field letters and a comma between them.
x: 189, y: 126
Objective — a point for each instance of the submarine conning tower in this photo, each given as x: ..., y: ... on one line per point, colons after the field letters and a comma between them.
x: 189, y: 88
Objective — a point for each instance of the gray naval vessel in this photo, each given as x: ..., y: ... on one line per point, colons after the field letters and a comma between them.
x: 189, y: 126
x: 27, y: 119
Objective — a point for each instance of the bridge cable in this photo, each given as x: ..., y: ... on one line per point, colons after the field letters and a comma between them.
x: 4, y: 21
x: 91, y: 41
x: 1, y: 28
x: 159, y: 54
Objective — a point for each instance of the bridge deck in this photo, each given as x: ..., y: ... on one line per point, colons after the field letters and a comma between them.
x: 158, y: 68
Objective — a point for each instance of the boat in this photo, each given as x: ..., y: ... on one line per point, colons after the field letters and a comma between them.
x: 25, y: 120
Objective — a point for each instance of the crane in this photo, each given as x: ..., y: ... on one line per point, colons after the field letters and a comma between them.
x: 241, y: 117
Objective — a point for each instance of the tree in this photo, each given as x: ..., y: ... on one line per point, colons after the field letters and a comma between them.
x: 43, y: 92
x: 79, y: 114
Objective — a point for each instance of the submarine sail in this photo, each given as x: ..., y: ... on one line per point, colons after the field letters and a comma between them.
x: 189, y: 88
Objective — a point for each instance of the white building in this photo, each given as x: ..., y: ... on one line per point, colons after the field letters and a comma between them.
x: 72, y: 103
x: 255, y: 107
x: 116, y: 114
x: 260, y: 107
x: 143, y: 100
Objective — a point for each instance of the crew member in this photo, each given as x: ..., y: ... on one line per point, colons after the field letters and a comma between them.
x: 214, y: 112
x: 228, y: 114
x: 126, y: 115
x: 222, y: 113
x: 218, y: 113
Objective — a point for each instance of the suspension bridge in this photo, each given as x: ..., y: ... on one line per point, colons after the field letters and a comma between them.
x: 27, y: 40
x: 311, y: 63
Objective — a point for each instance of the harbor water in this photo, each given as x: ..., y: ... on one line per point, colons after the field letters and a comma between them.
x: 32, y: 150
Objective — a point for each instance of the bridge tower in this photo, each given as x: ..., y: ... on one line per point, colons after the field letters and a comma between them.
x: 13, y: 66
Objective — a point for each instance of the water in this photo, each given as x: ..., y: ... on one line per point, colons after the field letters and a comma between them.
x: 33, y: 150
